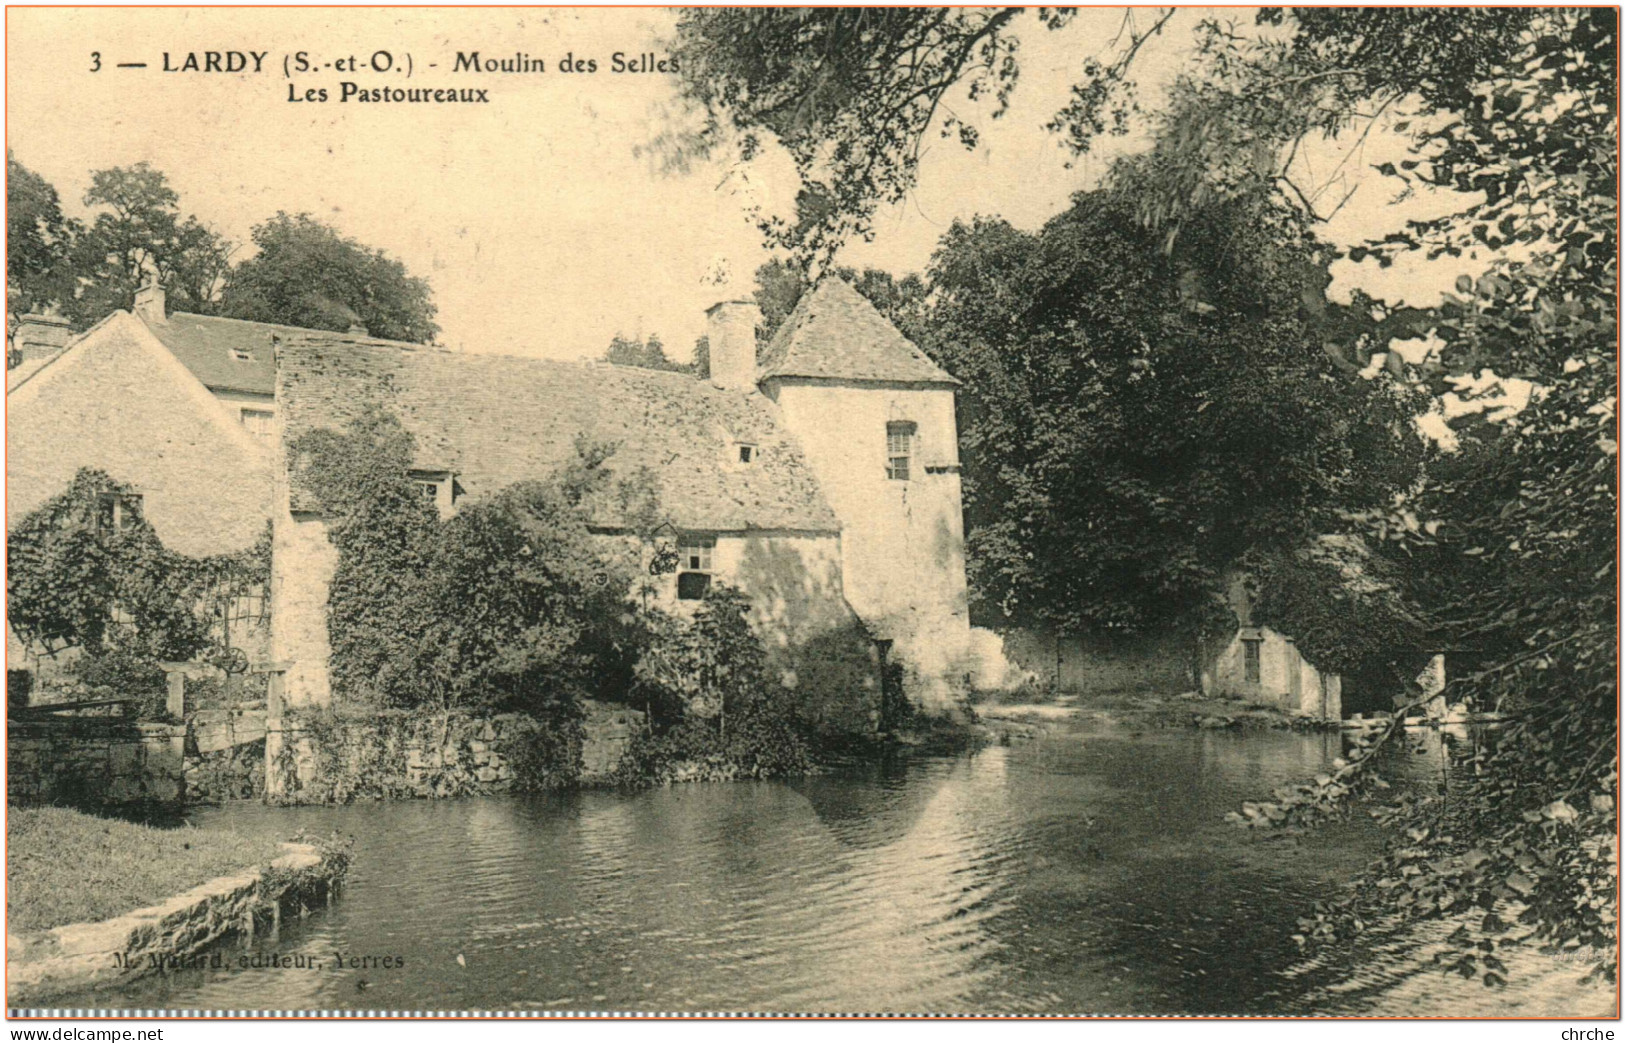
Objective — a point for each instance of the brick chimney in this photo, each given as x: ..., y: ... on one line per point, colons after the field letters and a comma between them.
x: 730, y: 326
x: 39, y: 336
x: 149, y: 304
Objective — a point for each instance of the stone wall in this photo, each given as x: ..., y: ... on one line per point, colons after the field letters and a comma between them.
x: 233, y: 773
x: 336, y: 757
x: 171, y: 935
x: 1102, y: 663
x: 1286, y: 680
x: 95, y: 762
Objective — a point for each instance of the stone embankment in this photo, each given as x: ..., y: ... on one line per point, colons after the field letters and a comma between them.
x: 173, y: 934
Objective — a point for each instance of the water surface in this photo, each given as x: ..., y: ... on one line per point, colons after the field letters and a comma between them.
x: 1080, y: 872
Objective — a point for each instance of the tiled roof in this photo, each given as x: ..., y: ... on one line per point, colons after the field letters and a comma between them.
x: 496, y: 419
x: 208, y: 346
x: 834, y: 332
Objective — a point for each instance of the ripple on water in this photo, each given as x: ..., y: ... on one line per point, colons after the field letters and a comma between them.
x: 1075, y: 873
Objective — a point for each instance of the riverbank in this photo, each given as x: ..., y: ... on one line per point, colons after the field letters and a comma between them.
x: 63, y: 866
x: 95, y: 902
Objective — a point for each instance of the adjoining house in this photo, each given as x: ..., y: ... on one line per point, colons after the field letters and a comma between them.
x: 823, y: 481
x: 119, y: 399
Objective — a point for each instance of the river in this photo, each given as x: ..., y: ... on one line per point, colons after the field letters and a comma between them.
x: 1083, y: 871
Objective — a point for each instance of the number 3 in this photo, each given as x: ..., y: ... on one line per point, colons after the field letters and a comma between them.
x: 96, y: 56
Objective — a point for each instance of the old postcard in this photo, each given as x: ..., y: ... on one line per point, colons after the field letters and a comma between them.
x: 937, y: 511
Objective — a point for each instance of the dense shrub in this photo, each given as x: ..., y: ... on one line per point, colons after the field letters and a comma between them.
x: 509, y: 604
x: 715, y: 712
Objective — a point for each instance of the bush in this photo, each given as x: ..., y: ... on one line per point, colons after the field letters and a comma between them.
x: 716, y: 715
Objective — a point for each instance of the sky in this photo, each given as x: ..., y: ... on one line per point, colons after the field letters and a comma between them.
x: 540, y: 225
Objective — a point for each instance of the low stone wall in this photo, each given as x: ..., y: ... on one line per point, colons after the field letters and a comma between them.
x: 170, y: 935
x: 335, y: 757
x: 95, y: 762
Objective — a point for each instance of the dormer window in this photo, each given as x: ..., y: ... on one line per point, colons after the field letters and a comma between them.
x: 899, y: 449
x: 116, y: 512
x: 261, y: 423
x: 438, y: 488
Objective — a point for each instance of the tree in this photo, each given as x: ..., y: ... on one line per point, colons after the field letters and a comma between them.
x: 38, y: 242
x: 1511, y: 544
x: 139, y: 232
x: 849, y: 92
x: 1132, y: 425
x: 644, y: 354
x: 307, y: 274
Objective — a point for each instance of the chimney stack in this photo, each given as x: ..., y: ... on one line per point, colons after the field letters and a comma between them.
x: 149, y: 304
x: 730, y: 326
x: 39, y: 336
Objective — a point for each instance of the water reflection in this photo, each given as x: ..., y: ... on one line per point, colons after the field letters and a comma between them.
x: 1081, y: 872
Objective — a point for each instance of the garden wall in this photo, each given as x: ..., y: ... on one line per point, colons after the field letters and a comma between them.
x: 95, y: 762
x: 1098, y: 663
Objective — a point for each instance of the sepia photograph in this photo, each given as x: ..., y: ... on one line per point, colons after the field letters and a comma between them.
x: 643, y: 512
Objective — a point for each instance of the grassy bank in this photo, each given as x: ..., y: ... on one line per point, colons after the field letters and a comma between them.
x: 66, y: 867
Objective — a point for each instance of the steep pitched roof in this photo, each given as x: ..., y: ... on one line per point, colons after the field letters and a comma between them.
x: 496, y: 419
x: 209, y: 346
x: 835, y: 333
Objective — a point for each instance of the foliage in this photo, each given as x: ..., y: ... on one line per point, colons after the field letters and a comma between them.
x: 307, y: 274
x: 705, y: 681
x: 139, y: 231
x: 644, y: 354
x: 37, y: 240
x: 1346, y: 609
x: 75, y: 579
x: 1133, y: 422
x: 1508, y: 545
x: 1511, y: 542
x: 508, y: 603
x: 849, y: 92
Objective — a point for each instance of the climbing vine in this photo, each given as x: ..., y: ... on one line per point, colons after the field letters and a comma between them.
x: 510, y: 603
x: 86, y: 570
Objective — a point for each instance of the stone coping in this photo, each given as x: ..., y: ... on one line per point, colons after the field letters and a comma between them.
x: 80, y: 956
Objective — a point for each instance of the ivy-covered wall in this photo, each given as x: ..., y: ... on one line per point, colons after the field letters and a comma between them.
x: 325, y: 757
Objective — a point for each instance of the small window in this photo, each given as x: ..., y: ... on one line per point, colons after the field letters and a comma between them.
x: 694, y: 565
x: 261, y: 423
x: 747, y: 453
x: 438, y: 489
x: 118, y: 511
x: 899, y: 449
x: 1250, y: 648
x: 241, y: 356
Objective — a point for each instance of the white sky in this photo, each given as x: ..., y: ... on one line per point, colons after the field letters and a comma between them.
x: 538, y: 228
